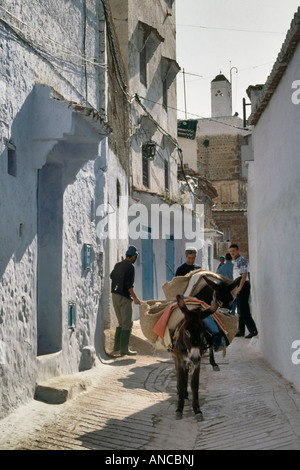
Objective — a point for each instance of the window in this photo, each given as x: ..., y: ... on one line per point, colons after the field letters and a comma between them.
x: 87, y: 256
x: 143, y: 65
x: 169, y: 70
x: 165, y: 94
x: 166, y: 163
x: 71, y: 315
x: 146, y: 178
x: 118, y: 193
x: 226, y: 235
x: 148, y: 41
x: 21, y: 229
x: 11, y: 160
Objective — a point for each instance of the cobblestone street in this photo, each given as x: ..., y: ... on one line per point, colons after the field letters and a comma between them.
x: 130, y: 405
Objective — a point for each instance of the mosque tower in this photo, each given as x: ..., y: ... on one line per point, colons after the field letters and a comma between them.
x: 221, y: 105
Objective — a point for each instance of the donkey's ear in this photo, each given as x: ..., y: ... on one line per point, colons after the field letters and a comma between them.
x: 212, y: 309
x: 181, y: 302
x: 213, y: 282
x: 235, y: 283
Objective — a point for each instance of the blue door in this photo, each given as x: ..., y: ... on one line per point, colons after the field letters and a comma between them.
x: 170, y: 261
x: 147, y: 266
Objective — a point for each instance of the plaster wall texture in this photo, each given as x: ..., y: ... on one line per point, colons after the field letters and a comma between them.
x: 48, y: 43
x: 274, y: 208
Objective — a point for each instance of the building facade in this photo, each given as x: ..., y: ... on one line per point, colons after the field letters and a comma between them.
x: 223, y: 146
x: 204, y: 192
x: 53, y: 176
x: 147, y: 38
x: 88, y: 132
x: 274, y: 208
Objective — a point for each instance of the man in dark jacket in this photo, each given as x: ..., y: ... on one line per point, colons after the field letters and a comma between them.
x: 123, y: 294
x: 189, y: 264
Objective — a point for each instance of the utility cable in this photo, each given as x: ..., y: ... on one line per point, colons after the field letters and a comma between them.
x: 40, y: 33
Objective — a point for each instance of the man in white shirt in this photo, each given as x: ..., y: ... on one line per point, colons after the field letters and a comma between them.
x: 240, y: 269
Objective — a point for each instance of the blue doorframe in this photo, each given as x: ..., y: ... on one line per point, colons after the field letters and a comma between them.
x: 170, y: 258
x: 147, y: 266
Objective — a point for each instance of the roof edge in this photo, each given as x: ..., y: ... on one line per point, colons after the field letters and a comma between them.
x: 284, y: 57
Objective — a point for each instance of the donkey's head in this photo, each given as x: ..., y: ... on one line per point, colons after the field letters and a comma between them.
x: 222, y: 289
x: 191, y: 333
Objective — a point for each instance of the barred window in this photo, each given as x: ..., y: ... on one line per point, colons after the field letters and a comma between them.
x: 146, y: 176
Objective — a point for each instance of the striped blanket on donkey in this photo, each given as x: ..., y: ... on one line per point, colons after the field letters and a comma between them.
x: 159, y: 319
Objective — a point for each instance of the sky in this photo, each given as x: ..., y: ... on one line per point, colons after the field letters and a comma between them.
x: 216, y: 36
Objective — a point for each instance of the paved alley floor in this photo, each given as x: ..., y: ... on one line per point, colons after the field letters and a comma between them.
x: 130, y: 405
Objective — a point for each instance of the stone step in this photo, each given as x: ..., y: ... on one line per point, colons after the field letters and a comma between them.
x: 59, y: 389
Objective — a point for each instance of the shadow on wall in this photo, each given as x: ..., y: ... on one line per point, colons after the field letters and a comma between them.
x: 50, y: 150
x: 17, y: 196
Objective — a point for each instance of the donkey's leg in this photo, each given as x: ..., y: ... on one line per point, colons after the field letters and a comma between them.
x: 181, y: 387
x: 195, y: 391
x: 212, y: 359
x: 186, y: 394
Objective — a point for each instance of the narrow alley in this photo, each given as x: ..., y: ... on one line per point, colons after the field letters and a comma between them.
x: 130, y: 404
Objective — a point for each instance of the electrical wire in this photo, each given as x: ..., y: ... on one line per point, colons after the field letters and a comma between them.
x: 119, y: 74
x: 237, y: 30
x: 229, y: 29
x: 198, y: 116
x: 175, y: 143
x: 240, y: 70
x: 41, y: 34
x: 44, y: 55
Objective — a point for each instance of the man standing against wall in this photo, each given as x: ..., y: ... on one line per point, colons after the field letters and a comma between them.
x: 123, y: 293
x: 240, y: 269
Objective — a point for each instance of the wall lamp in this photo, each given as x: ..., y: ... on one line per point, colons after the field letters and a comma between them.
x: 149, y: 150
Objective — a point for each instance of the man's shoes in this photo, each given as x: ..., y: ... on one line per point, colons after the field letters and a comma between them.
x: 239, y: 334
x: 117, y: 341
x: 250, y: 335
x: 124, y: 349
x: 129, y: 352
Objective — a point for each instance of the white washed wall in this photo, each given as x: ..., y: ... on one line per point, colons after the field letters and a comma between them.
x: 274, y: 221
x: 47, y: 28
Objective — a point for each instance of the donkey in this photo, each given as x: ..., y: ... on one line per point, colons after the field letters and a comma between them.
x: 189, y: 345
x: 218, y: 289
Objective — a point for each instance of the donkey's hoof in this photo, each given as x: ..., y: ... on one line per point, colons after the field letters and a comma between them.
x: 216, y: 367
x: 199, y: 416
x: 178, y: 414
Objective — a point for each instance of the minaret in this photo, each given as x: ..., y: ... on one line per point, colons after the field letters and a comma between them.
x: 221, y: 97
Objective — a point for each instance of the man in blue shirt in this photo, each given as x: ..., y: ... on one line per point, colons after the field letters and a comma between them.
x: 226, y: 269
x: 240, y: 269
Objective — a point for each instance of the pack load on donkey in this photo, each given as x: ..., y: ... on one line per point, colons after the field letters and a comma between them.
x: 160, y: 318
